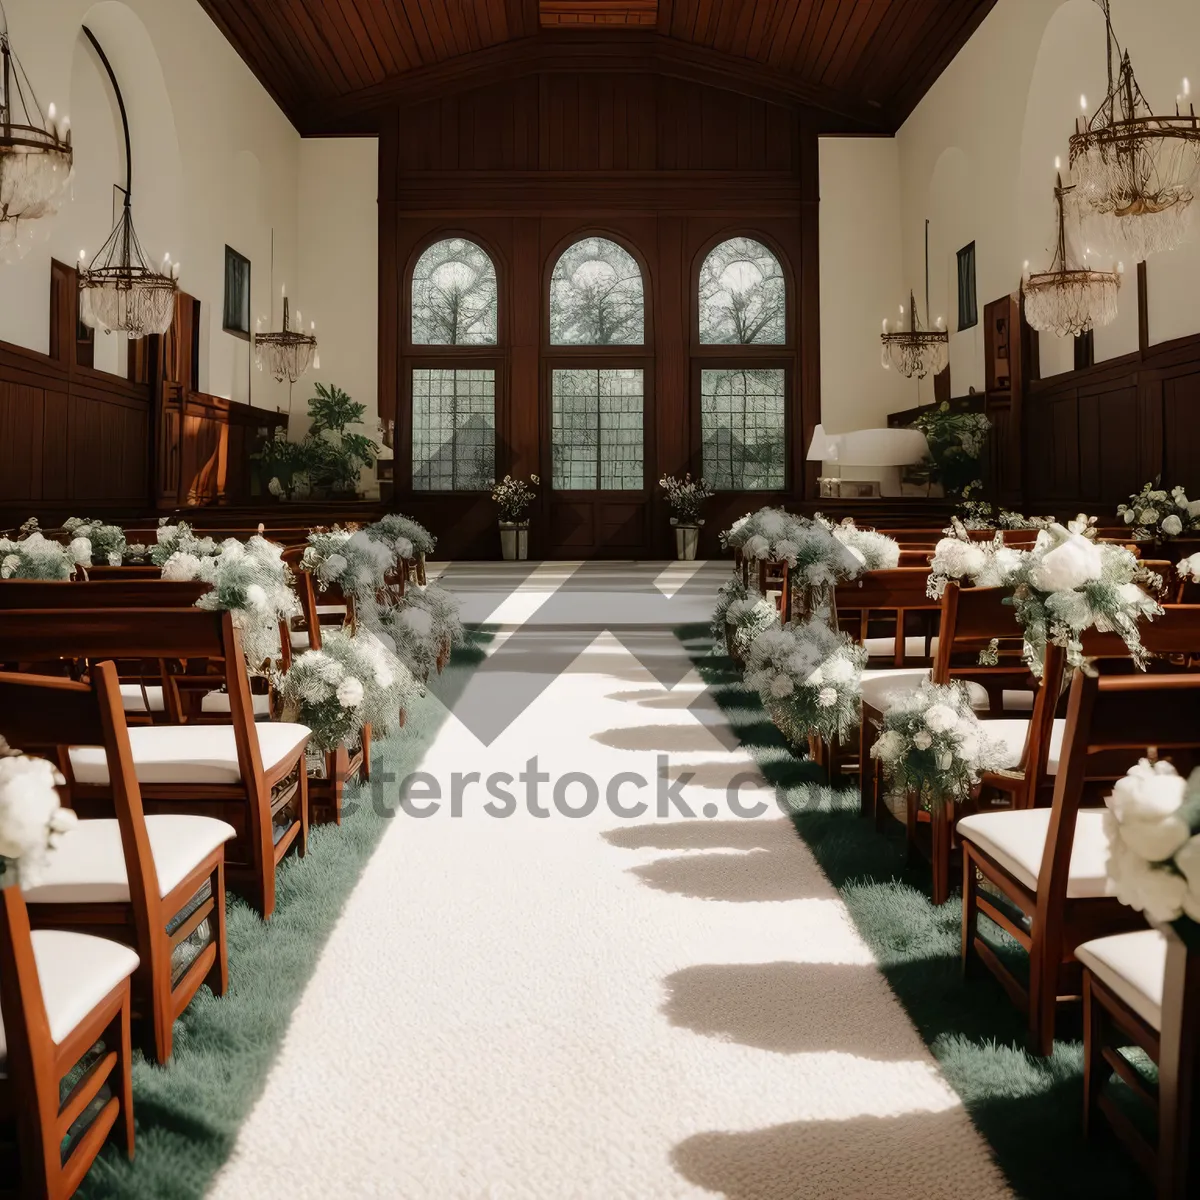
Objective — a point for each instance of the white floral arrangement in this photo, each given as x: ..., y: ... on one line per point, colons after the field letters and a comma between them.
x: 685, y: 497
x: 1160, y: 513
x: 352, y: 681
x: 398, y: 529
x: 252, y: 582
x: 1188, y: 569
x: 767, y: 535
x: 422, y: 627
x: 1069, y: 583
x: 355, y: 561
x: 39, y: 557
x: 961, y: 557
x: 932, y: 743
x: 179, y: 539
x: 107, y: 541
x: 513, y: 497
x: 406, y: 538
x: 809, y: 680
x: 874, y: 551
x: 741, y: 614
x: 32, y: 819
x: 1153, y: 828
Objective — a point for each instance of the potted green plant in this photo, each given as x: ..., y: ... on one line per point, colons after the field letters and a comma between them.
x: 513, y: 498
x: 330, y: 457
x: 686, y: 497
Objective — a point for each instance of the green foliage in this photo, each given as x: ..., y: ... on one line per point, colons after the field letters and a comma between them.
x: 331, y: 408
x: 956, y: 442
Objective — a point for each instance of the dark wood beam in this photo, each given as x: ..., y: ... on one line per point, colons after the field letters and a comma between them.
x: 358, y: 112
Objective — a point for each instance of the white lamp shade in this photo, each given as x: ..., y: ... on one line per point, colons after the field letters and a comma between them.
x: 869, y: 447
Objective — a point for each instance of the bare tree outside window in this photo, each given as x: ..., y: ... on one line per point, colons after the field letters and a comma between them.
x: 743, y: 297
x: 597, y: 429
x: 596, y: 296
x: 453, y: 430
x: 454, y: 296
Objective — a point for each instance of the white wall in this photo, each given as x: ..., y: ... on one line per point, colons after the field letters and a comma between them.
x: 214, y: 161
x: 977, y: 159
x: 862, y: 281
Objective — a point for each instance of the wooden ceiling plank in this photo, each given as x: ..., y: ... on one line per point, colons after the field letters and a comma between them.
x: 317, y: 48
x: 666, y: 13
x: 858, y: 36
x: 740, y: 35
x: 728, y: 13
x: 705, y: 25
x: 433, y: 13
x: 792, y: 26
x: 367, y: 17
x: 402, y: 34
x: 872, y: 75
x: 828, y: 47
x: 764, y: 25
x: 244, y: 35
x: 940, y: 57
x: 333, y: 19
x: 815, y: 34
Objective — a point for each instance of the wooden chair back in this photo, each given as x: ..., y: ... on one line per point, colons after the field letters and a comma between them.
x: 899, y: 591
x: 134, y: 592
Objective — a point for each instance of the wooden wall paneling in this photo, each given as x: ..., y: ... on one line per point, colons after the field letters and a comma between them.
x: 1179, y: 431
x: 22, y: 414
x: 54, y: 464
x: 1109, y: 443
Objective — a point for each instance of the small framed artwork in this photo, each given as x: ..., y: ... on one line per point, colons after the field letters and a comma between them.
x: 236, y: 312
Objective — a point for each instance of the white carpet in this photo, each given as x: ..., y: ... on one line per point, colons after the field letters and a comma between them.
x: 564, y: 1008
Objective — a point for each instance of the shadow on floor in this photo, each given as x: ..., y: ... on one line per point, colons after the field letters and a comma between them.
x: 750, y: 877
x: 793, y: 1008
x: 704, y: 835
x: 666, y: 739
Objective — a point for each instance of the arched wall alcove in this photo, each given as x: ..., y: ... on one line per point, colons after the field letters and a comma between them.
x: 952, y: 209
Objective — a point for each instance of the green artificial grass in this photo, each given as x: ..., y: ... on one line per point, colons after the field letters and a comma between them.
x: 188, y: 1113
x: 1028, y: 1108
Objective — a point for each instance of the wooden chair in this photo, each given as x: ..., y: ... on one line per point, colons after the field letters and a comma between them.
x: 152, y: 882
x: 1143, y: 989
x: 1045, y: 868
x: 247, y: 773
x: 61, y: 994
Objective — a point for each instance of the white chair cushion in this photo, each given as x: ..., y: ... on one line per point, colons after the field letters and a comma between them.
x: 880, y: 687
x: 76, y: 972
x: 88, y: 866
x: 218, y: 702
x: 190, y: 753
x: 1133, y: 966
x: 1016, y: 839
x: 332, y: 610
x: 914, y: 647
x: 1013, y: 700
x: 299, y: 639
x: 1012, y: 732
x: 133, y: 701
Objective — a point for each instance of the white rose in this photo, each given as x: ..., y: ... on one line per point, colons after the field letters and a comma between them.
x: 1155, y: 841
x: 941, y: 718
x: 840, y: 670
x: 888, y: 747
x: 256, y: 597
x: 816, y: 679
x: 1129, y: 516
x: 275, y: 487
x: 922, y: 739
x: 782, y: 686
x: 1148, y: 516
x: 827, y: 697
x: 756, y: 547
x: 404, y: 547
x: 114, y: 558
x: 418, y: 620
x: 1193, y: 508
x: 1172, y: 526
x: 80, y: 551
x: 858, y: 554
x: 1147, y: 792
x: 181, y: 566
x: 945, y: 760
x: 1070, y: 565
x: 350, y: 692
x: 1130, y: 593
x: 333, y: 566
x: 968, y: 747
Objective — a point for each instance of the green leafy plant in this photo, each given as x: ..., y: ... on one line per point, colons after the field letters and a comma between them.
x: 329, y: 458
x: 956, y: 443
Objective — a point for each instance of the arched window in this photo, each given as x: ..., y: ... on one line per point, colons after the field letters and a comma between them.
x: 454, y: 296
x: 597, y: 297
x: 453, y: 383
x: 597, y: 393
x: 743, y: 298
x: 743, y: 373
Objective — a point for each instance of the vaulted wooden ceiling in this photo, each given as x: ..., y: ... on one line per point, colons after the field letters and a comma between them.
x: 333, y: 65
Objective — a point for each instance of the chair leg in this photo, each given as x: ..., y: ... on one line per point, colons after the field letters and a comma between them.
x: 162, y: 1021
x: 940, y: 844
x: 364, y: 772
x: 911, y: 807
x: 1044, y: 959
x: 1095, y: 1069
x: 970, y: 912
x: 218, y: 975
x: 124, y: 1076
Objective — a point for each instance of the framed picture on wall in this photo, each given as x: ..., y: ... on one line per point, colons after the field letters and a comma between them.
x: 236, y: 312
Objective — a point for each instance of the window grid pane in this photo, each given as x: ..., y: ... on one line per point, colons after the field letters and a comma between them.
x: 596, y: 296
x: 742, y: 427
x: 597, y: 430
x: 453, y: 430
x: 743, y: 297
x: 454, y: 296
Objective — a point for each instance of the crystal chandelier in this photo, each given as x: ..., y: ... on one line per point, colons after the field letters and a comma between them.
x: 35, y: 156
x: 289, y: 353
x: 1068, y: 300
x: 119, y: 291
x: 916, y: 351
x: 1136, y: 172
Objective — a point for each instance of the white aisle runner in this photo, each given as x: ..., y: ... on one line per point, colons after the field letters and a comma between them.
x: 562, y: 1008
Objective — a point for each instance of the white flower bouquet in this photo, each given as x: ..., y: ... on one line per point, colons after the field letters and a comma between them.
x: 741, y: 614
x: 960, y: 557
x: 107, y: 541
x: 932, y: 743
x: 513, y: 497
x: 179, y: 539
x: 809, y: 680
x: 1068, y: 584
x: 421, y: 628
x: 38, y: 557
x: 357, y: 562
x: 767, y: 535
x: 410, y: 539
x: 1153, y: 830
x: 874, y: 551
x: 685, y: 497
x: 32, y: 821
x: 1160, y: 513
x: 352, y: 681
x: 252, y: 582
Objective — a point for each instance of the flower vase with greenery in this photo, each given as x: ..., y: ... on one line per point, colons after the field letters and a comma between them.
x: 685, y: 497
x: 956, y: 444
x: 513, y: 498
